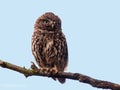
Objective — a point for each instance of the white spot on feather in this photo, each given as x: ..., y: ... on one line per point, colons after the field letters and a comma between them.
x: 49, y: 44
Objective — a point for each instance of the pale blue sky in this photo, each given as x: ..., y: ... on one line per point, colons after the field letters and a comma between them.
x: 92, y: 29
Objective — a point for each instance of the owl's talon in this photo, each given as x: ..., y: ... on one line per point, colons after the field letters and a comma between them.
x: 53, y: 70
x: 44, y: 70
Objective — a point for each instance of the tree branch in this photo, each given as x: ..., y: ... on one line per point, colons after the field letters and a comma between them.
x: 34, y: 71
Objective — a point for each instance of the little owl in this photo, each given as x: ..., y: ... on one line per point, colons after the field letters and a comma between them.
x: 49, y: 45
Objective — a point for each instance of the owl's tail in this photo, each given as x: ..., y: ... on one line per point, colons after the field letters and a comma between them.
x: 61, y: 80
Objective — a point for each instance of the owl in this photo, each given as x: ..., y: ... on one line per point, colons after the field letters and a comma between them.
x: 49, y: 46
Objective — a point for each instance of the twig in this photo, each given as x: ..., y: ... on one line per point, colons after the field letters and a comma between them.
x: 75, y: 76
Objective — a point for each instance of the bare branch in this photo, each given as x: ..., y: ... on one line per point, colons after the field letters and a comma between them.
x: 75, y: 76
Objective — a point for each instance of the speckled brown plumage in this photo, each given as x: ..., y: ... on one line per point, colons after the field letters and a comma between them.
x: 49, y: 45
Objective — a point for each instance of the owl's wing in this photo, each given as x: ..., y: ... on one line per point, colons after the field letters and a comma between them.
x: 38, y: 45
x: 63, y: 53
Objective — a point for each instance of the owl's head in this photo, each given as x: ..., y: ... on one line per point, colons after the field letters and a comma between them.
x: 48, y: 21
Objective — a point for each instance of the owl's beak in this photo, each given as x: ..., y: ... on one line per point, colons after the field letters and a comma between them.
x: 52, y: 24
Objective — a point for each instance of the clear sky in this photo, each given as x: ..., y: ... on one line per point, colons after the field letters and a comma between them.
x: 92, y: 29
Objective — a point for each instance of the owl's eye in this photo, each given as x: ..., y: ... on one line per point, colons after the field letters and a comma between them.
x: 45, y: 21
